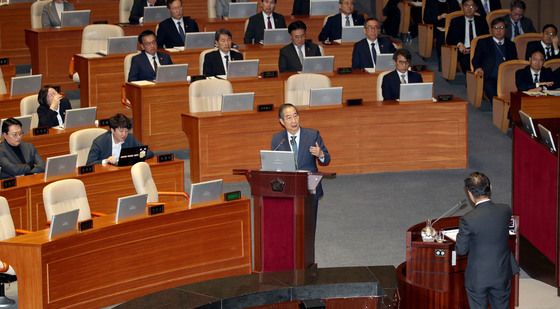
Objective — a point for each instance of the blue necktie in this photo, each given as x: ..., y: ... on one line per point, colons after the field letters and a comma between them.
x: 181, y: 31
x: 294, y: 149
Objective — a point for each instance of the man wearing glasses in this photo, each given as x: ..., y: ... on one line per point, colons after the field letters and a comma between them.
x: 16, y: 156
x: 391, y: 84
x: 366, y: 50
x: 548, y: 46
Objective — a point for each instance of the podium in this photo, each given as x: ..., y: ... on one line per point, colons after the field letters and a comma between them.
x: 433, y: 276
x: 284, y: 220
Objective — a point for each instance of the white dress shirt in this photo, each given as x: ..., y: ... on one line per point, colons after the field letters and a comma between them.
x: 265, y: 17
x: 344, y: 19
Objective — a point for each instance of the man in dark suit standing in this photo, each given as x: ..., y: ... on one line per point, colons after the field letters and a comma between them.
x: 391, y: 84
x: 332, y: 30
x: 16, y: 156
x: 144, y: 65
x: 534, y: 77
x: 548, y: 45
x: 516, y: 22
x: 487, y: 6
x: 308, y: 148
x: 366, y: 50
x: 171, y: 31
x: 137, y: 10
x: 462, y: 30
x: 489, y: 53
x: 267, y: 19
x: 291, y: 55
x: 483, y: 236
x: 216, y: 62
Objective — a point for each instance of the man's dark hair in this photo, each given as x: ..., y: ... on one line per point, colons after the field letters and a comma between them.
x: 171, y: 1
x: 550, y: 26
x: 8, y: 123
x: 283, y: 107
x: 537, y: 51
x: 220, y: 32
x: 498, y: 20
x: 370, y: 19
x: 275, y: 1
x: 144, y: 34
x: 518, y: 4
x: 402, y: 52
x: 120, y: 121
x: 478, y: 185
x: 474, y: 2
x: 298, y: 24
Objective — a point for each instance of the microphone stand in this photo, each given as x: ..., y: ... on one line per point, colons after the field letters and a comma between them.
x: 428, y: 233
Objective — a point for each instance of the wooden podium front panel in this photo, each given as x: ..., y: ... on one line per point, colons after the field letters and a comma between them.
x: 13, y: 19
x: 278, y: 228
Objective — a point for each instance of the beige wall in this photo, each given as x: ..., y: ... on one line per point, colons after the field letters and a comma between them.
x: 540, y: 11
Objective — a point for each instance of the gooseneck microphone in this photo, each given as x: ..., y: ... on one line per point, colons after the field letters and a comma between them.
x: 279, y: 144
x: 459, y: 205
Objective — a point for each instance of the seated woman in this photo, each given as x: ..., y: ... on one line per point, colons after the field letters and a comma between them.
x: 52, y: 107
x: 51, y: 15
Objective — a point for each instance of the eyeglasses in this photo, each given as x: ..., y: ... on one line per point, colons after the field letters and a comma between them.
x: 15, y: 134
x: 550, y: 33
x: 499, y: 27
x: 402, y: 61
x: 372, y: 27
x: 291, y: 117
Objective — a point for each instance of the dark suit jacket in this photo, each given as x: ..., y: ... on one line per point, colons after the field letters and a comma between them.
x: 288, y: 61
x: 494, y: 5
x: 102, y: 147
x: 536, y: 45
x: 141, y: 68
x: 306, y: 161
x: 300, y: 7
x: 47, y: 117
x: 524, y: 78
x: 485, y: 56
x: 525, y: 23
x: 456, y: 31
x: 361, y: 54
x: 168, y: 35
x: 49, y: 16
x: 434, y: 8
x: 213, y: 64
x: 483, y: 236
x: 11, y: 164
x: 391, y: 84
x: 255, y: 28
x: 332, y: 30
x: 137, y: 10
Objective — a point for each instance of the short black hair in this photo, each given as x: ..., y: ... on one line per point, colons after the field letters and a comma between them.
x: 298, y: 24
x: 498, y: 20
x: 220, y: 32
x: 171, y: 1
x: 478, y: 185
x: 340, y: 1
x: 463, y: 2
x: 145, y: 33
x: 549, y: 26
x: 518, y: 4
x: 402, y: 52
x: 283, y: 107
x: 370, y: 19
x: 120, y: 121
x: 42, y: 96
x: 537, y: 51
x: 8, y: 123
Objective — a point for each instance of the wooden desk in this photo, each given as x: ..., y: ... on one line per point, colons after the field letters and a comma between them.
x: 13, y: 19
x: 103, y: 188
x: 9, y: 105
x: 53, y: 144
x: 113, y: 263
x: 538, y: 107
x: 371, y: 138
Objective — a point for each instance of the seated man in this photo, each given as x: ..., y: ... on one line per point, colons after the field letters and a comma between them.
x: 16, y: 156
x: 106, y: 148
x: 267, y: 19
x: 462, y: 30
x: 171, y: 31
x: 137, y: 11
x: 332, y: 30
x: 516, y: 23
x: 534, y: 77
x: 363, y: 55
x: 391, y: 84
x: 52, y: 107
x: 216, y: 62
x: 548, y: 45
x: 291, y: 55
x: 52, y: 13
x: 144, y: 65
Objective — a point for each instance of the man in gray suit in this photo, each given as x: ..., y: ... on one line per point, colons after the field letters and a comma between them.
x: 516, y: 22
x: 483, y: 236
x: 16, y: 156
x: 51, y: 15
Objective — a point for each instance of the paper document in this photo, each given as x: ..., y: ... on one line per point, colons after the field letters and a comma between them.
x: 451, y: 234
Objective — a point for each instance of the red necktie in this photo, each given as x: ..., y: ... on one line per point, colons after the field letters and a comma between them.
x: 269, y: 25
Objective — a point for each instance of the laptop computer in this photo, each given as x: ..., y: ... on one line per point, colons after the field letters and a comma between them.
x: 131, y: 206
x: 195, y: 40
x: 80, y: 117
x: 416, y: 92
x: 28, y: 84
x: 279, y: 36
x: 243, y: 68
x: 278, y: 161
x: 132, y: 155
x: 323, y: 7
x: 172, y: 73
x: 120, y: 45
x: 546, y: 137
x: 64, y: 223
x: 527, y: 122
x: 60, y: 166
x: 238, y: 102
x: 242, y: 9
x: 78, y: 18
x: 384, y: 62
x: 318, y: 64
x: 205, y: 192
x: 352, y: 34
x: 325, y: 96
x: 25, y: 123
x: 155, y: 14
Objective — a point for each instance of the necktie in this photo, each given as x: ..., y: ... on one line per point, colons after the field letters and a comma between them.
x: 294, y: 148
x: 403, y: 79
x: 347, y: 21
x: 300, y: 54
x: 486, y: 6
x: 373, y: 53
x: 269, y: 24
x: 181, y: 31
x: 536, y: 79
x: 548, y: 53
x: 227, y: 61
x: 515, y: 29
x: 471, y: 31
x: 155, y: 63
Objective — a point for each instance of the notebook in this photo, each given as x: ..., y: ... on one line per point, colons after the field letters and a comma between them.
x: 132, y: 155
x: 323, y: 7
x: 28, y: 84
x: 78, y: 18
x: 527, y: 122
x: 278, y: 161
x: 195, y: 40
x: 204, y: 192
x: 155, y: 14
x: 238, y: 102
x: 279, y: 36
x: 120, y: 45
x: 64, y: 223
x: 242, y: 9
x: 325, y: 96
x: 318, y: 64
x: 384, y: 62
x: 352, y: 34
x: 172, y: 73
x: 546, y: 137
x: 243, y: 68
x: 131, y: 206
x: 80, y: 117
x: 60, y: 166
x: 416, y: 92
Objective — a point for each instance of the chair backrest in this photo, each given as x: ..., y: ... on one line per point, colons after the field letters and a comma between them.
x: 2, y: 83
x: 211, y: 8
x: 423, y: 9
x: 522, y: 40
x: 201, y: 59
x: 297, y: 87
x: 474, y: 42
x: 80, y: 143
x: 552, y: 64
x: 206, y: 95
x: 124, y: 10
x: 94, y: 37
x: 449, y: 17
x: 7, y: 228
x: 37, y: 12
x: 495, y: 14
x: 127, y: 61
x: 28, y: 106
x: 379, y: 83
x: 65, y: 195
x: 506, y: 77
x: 143, y: 181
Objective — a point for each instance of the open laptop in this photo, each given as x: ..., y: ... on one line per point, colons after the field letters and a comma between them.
x: 195, y: 40
x: 238, y: 102
x: 384, y: 62
x: 60, y: 166
x: 78, y: 18
x: 64, y: 223
x: 527, y: 122
x: 120, y: 45
x: 131, y: 206
x: 243, y: 68
x: 25, y: 123
x: 279, y: 36
x: 546, y: 137
x: 242, y: 9
x: 28, y: 84
x: 325, y: 96
x: 132, y: 155
x: 172, y: 73
x: 416, y: 92
x: 352, y: 34
x: 323, y: 7
x: 155, y: 14
x: 80, y: 117
x: 318, y: 64
x: 278, y: 161
x: 204, y: 192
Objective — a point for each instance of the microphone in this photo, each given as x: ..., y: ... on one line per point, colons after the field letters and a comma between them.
x: 428, y: 233
x: 279, y: 144
x: 459, y: 205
